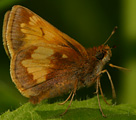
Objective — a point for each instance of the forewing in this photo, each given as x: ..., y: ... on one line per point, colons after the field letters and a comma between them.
x: 25, y: 28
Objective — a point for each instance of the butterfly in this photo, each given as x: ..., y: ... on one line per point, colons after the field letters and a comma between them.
x: 46, y: 63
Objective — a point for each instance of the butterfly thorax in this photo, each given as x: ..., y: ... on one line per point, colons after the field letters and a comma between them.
x: 98, y: 57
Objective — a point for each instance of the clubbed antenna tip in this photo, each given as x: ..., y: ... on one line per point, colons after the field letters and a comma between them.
x: 113, y: 31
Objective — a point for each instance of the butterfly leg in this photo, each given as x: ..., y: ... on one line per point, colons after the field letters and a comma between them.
x: 74, y: 91
x: 102, y: 94
x: 112, y: 86
x: 98, y: 86
x: 67, y: 98
x: 97, y: 92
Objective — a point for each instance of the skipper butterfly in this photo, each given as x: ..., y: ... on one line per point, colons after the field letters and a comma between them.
x: 46, y: 63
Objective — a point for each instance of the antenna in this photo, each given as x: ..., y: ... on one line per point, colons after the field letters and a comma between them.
x: 113, y: 31
x: 118, y: 67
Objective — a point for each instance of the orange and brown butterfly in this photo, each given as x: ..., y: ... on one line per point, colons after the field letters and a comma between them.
x: 46, y: 63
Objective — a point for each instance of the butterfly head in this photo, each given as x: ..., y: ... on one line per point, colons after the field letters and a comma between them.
x: 103, y: 53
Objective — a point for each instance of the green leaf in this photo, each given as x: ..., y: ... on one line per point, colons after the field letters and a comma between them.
x: 79, y: 110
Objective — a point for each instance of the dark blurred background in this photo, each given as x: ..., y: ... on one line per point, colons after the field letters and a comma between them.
x: 90, y: 23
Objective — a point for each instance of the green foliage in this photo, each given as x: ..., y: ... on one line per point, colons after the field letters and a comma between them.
x: 79, y: 110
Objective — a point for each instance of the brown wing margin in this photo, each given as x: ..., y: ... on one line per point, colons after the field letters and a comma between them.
x: 6, y: 18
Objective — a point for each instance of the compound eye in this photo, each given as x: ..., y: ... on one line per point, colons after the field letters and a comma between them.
x: 100, y: 55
